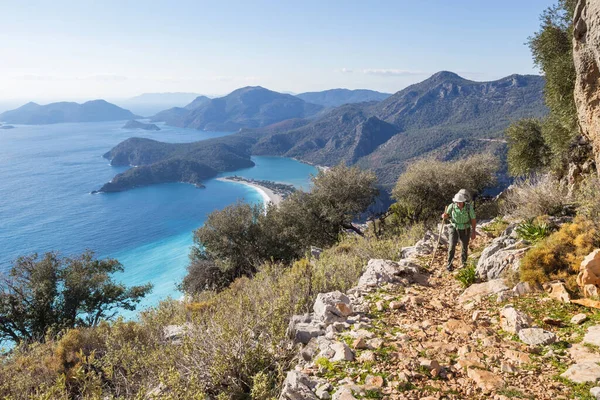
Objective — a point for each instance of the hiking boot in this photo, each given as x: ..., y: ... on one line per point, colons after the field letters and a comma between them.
x: 449, y: 267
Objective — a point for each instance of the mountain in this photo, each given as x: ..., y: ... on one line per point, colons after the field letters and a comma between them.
x: 158, y: 162
x: 133, y: 124
x: 445, y: 117
x: 151, y: 103
x: 345, y: 134
x: 172, y: 115
x: 249, y: 107
x: 338, y: 97
x: 91, y: 111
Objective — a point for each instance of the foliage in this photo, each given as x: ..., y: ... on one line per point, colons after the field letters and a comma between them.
x: 527, y: 150
x: 235, y: 240
x: 496, y: 227
x: 427, y: 186
x: 467, y: 275
x: 588, y: 198
x: 533, y: 231
x: 530, y: 143
x: 560, y: 254
x: 535, y: 196
x: 234, y: 346
x: 54, y: 293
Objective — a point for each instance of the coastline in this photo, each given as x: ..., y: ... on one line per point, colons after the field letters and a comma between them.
x: 267, y: 194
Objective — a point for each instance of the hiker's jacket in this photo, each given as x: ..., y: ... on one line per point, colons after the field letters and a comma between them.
x: 461, y: 219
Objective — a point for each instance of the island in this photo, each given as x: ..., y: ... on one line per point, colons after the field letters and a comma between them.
x: 133, y: 124
x: 273, y: 192
x: 6, y: 126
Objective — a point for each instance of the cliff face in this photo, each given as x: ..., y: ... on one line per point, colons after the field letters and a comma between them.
x: 586, y: 55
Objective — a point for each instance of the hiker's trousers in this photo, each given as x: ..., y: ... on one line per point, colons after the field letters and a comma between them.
x: 455, y: 235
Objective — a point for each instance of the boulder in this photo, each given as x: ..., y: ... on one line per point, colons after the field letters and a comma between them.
x: 342, y: 352
x: 512, y: 320
x: 380, y: 272
x: 595, y: 392
x: 592, y: 336
x: 583, y: 372
x: 589, y: 273
x: 586, y: 57
x: 332, y: 307
x: 504, y: 253
x: 579, y: 319
x: 522, y: 288
x: 297, y: 386
x: 478, y: 291
x: 557, y: 291
x: 486, y: 380
x: 302, y: 328
x: 536, y: 336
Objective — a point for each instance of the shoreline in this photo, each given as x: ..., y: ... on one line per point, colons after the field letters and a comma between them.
x: 267, y: 194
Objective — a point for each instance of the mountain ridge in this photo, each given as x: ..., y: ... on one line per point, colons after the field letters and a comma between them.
x: 59, y: 112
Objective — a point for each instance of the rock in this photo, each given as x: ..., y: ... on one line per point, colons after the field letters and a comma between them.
x: 322, y: 391
x: 432, y: 366
x: 589, y: 270
x: 505, y: 295
x: 395, y: 305
x: 592, y: 336
x: 315, y: 252
x: 504, y: 253
x: 486, y: 380
x: 457, y: 327
x: 366, y: 356
x: 297, y: 386
x: 522, y: 288
x: 360, y: 343
x: 590, y: 291
x: 174, y: 333
x: 512, y: 320
x: 579, y: 319
x: 480, y: 290
x: 557, y: 291
x: 379, y: 305
x: 342, y: 352
x: 375, y: 343
x: 344, y: 393
x: 517, y: 356
x: 580, y: 353
x: 374, y: 381
x: 302, y: 328
x: 583, y: 372
x: 332, y: 307
x: 586, y: 57
x: 536, y: 336
x: 595, y: 392
x: 379, y: 272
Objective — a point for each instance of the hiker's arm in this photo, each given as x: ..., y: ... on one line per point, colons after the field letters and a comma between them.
x: 473, y: 223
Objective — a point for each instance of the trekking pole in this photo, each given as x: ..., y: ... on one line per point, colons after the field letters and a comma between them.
x: 438, y: 241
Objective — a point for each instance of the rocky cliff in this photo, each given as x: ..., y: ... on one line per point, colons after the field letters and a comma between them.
x: 586, y: 55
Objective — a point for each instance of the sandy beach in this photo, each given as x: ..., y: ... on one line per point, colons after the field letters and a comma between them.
x: 267, y: 194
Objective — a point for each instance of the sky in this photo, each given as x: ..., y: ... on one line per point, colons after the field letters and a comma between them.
x: 113, y: 49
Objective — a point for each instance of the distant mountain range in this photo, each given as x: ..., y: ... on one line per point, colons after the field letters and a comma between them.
x: 148, y: 104
x: 445, y: 116
x: 338, y: 97
x: 91, y: 111
x: 249, y: 107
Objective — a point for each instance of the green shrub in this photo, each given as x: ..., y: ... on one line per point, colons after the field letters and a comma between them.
x: 428, y: 186
x: 533, y: 231
x: 467, y: 276
x: 527, y: 151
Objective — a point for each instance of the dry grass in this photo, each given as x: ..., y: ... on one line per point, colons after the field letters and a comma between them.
x: 535, y: 196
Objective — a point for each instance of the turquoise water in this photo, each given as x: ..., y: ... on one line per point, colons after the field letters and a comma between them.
x: 46, y: 176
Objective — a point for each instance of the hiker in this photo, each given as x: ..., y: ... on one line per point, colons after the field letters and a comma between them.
x: 463, y: 222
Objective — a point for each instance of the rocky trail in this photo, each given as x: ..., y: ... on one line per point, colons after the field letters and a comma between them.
x: 406, y: 332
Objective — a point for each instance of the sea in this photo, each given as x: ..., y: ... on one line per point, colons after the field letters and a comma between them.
x: 47, y: 174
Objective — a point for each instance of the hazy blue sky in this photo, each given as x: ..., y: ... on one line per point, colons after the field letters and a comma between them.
x: 83, y: 49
